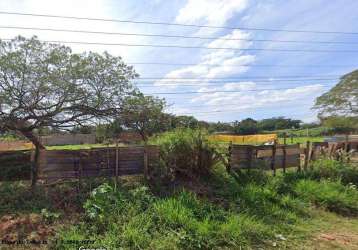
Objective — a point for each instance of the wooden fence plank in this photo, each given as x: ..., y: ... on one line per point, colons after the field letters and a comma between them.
x: 110, y: 161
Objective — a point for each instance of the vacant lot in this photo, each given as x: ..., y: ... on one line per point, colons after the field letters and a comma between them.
x: 312, y: 210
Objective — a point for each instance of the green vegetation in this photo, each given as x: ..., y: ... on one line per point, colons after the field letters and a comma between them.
x: 306, y: 132
x: 78, y: 147
x: 253, y: 209
x: 301, y: 140
x: 187, y: 152
x: 191, y: 202
x: 243, y: 210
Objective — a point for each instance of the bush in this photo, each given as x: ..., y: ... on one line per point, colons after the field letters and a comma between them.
x: 187, y: 152
x: 330, y: 194
x: 335, y: 170
x: 16, y: 197
x: 135, y: 219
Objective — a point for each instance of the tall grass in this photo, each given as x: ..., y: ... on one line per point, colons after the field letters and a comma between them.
x: 135, y: 219
x: 187, y: 152
x: 335, y: 170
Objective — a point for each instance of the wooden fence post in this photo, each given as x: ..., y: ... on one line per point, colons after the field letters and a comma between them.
x: 299, y: 165
x: 307, y: 154
x: 249, y: 157
x: 145, y: 161
x: 117, y: 165
x: 273, y: 167
x: 284, y: 158
x: 346, y: 149
x: 284, y: 152
x: 228, y: 167
x: 79, y: 164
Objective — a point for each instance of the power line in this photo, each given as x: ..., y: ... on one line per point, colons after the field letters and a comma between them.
x: 236, y: 65
x: 215, y: 91
x: 261, y: 78
x: 235, y: 105
x: 196, y: 47
x: 174, y: 36
x: 193, y: 83
x: 224, y: 111
x: 217, y: 111
x: 174, y: 94
x: 176, y: 24
x: 201, y: 85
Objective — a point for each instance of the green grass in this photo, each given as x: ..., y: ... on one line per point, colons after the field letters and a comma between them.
x: 251, y: 210
x: 246, y: 209
x: 294, y: 140
x: 301, y: 140
x: 329, y: 194
x: 314, y: 132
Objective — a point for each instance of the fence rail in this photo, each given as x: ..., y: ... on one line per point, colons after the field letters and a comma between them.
x: 264, y: 157
x: 15, y: 165
x: 111, y: 161
x: 275, y: 156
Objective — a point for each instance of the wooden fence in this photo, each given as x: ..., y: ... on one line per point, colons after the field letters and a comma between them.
x: 15, y: 165
x: 264, y: 157
x: 331, y: 150
x: 272, y: 157
x: 111, y: 161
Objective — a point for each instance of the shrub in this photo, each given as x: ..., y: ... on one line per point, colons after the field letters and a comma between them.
x: 16, y: 197
x: 142, y: 221
x: 187, y: 152
x: 330, y: 194
x: 336, y: 170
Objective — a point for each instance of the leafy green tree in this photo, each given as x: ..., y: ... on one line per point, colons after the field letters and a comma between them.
x: 183, y: 121
x: 221, y: 127
x: 247, y: 126
x: 342, y: 99
x: 341, y: 124
x: 276, y: 123
x: 47, y: 85
x: 145, y: 115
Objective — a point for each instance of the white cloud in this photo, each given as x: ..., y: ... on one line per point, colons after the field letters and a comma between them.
x: 210, y: 12
x: 177, y: 110
x: 215, y: 63
x: 247, y: 99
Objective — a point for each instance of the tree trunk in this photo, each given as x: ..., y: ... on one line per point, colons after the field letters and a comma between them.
x: 144, y: 136
x: 38, y: 146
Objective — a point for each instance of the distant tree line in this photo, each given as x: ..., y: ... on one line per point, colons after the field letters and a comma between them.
x: 161, y: 122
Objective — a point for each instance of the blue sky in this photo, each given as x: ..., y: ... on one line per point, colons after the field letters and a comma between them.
x: 242, y: 97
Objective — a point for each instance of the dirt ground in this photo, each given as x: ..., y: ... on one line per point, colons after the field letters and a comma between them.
x: 24, y: 231
x: 336, y: 240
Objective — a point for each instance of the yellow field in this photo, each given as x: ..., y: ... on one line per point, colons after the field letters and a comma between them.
x: 244, y: 139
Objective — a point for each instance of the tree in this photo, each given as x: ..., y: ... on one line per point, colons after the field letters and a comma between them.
x: 276, y: 123
x: 247, y: 126
x: 46, y: 85
x: 341, y: 124
x: 184, y: 121
x: 342, y: 99
x: 144, y: 114
x: 221, y: 127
